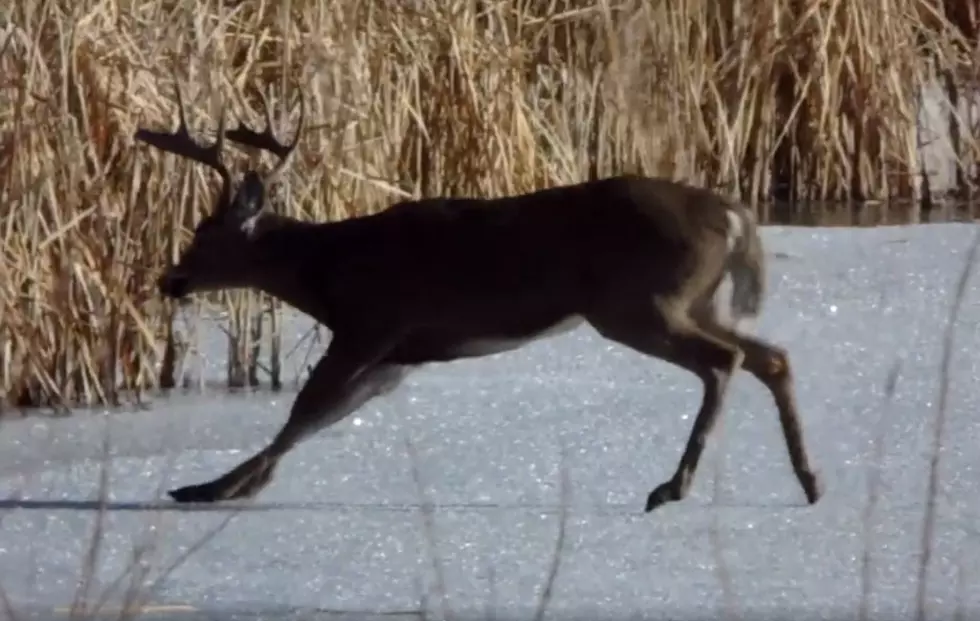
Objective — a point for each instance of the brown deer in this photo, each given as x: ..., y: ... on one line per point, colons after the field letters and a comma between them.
x: 639, y: 259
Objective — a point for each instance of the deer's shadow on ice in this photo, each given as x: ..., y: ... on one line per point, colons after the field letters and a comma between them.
x: 624, y: 509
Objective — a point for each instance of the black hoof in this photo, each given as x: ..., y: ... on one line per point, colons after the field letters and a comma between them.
x: 193, y: 493
x: 813, y: 487
x: 666, y: 492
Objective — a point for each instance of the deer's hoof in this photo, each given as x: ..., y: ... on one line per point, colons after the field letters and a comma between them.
x: 193, y: 493
x: 813, y: 487
x: 665, y: 492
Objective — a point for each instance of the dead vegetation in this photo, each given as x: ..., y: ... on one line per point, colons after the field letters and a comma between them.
x: 801, y: 100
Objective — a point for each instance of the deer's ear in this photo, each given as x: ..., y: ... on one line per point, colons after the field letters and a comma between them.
x: 250, y: 197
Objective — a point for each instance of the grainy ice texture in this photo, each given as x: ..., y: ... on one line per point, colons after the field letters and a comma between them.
x: 340, y: 529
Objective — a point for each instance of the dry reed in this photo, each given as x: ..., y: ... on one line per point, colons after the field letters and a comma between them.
x: 798, y: 99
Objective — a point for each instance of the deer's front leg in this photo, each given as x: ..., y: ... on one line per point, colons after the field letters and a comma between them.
x: 343, y: 380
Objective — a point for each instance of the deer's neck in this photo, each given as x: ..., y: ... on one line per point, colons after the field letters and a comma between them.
x: 288, y: 264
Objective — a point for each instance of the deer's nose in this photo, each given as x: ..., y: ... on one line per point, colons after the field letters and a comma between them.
x: 173, y: 284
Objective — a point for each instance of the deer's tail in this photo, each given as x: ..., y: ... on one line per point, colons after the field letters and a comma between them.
x: 746, y: 265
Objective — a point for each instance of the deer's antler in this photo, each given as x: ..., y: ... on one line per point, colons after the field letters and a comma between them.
x: 180, y: 142
x: 267, y: 141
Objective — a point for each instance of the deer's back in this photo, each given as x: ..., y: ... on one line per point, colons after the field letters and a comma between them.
x: 547, y: 250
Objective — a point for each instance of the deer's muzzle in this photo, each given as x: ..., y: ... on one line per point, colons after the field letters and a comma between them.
x: 174, y: 285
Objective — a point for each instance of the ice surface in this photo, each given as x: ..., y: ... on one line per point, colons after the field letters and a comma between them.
x: 340, y: 527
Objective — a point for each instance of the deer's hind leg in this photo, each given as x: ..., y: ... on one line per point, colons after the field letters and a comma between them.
x: 665, y: 330
x: 341, y: 382
x: 770, y: 365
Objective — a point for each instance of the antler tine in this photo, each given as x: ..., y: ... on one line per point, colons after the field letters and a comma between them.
x: 286, y: 156
x: 266, y: 139
x: 180, y: 142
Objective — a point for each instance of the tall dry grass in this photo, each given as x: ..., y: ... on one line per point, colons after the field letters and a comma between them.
x: 801, y: 99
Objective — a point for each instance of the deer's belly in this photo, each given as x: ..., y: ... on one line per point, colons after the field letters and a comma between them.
x: 440, y: 345
x: 488, y: 345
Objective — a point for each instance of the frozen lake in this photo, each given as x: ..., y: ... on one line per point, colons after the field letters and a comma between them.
x: 340, y: 528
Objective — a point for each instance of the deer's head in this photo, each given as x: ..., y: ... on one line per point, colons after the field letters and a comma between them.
x: 221, y: 253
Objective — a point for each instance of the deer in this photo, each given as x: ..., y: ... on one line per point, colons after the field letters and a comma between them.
x: 639, y: 259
